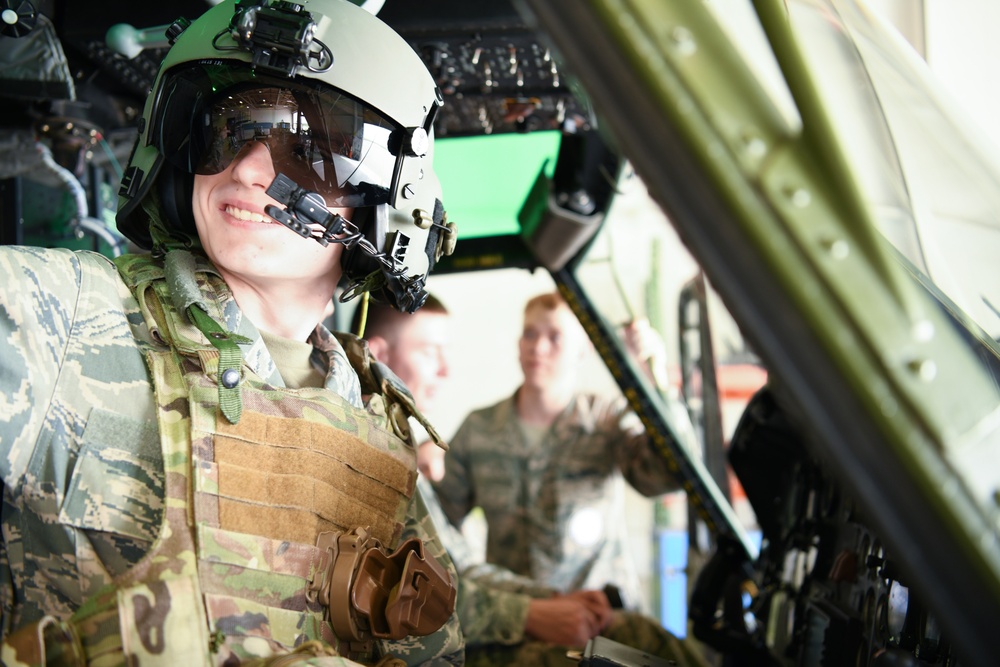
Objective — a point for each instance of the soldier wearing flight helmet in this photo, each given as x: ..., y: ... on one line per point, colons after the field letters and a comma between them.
x: 189, y: 474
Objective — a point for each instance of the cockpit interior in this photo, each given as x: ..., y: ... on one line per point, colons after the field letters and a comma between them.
x: 782, y: 191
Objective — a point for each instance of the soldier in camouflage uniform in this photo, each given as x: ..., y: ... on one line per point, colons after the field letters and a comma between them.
x: 507, y: 619
x: 189, y: 474
x: 548, y: 466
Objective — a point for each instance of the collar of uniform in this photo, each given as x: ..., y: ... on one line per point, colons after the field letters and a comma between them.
x: 195, y: 272
x: 340, y: 375
x: 506, y: 412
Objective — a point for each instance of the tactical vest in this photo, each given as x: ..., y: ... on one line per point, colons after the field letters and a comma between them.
x: 277, y: 525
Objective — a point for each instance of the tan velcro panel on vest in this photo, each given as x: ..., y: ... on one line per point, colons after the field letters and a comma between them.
x: 290, y: 479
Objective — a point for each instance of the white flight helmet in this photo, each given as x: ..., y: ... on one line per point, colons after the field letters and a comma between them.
x: 346, y: 107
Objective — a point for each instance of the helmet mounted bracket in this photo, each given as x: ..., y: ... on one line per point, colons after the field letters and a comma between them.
x: 280, y: 36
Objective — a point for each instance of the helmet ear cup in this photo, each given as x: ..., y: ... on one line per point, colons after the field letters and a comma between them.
x: 176, y: 191
x: 403, y: 294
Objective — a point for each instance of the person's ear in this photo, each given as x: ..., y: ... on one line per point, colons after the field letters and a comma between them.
x: 379, y: 348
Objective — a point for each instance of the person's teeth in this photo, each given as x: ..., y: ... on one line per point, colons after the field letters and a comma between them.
x: 243, y: 214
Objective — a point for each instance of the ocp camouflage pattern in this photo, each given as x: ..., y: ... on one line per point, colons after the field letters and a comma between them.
x: 96, y: 522
x: 628, y: 628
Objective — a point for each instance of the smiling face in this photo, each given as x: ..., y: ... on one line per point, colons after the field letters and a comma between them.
x: 245, y: 244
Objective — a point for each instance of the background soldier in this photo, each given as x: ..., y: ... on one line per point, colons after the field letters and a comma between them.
x: 548, y: 464
x: 507, y: 619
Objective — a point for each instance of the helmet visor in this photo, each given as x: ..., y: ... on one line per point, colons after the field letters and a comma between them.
x: 324, y: 140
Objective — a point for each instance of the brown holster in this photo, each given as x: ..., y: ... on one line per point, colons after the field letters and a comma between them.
x: 368, y: 593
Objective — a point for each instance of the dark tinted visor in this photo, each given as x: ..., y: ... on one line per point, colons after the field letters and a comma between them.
x: 324, y: 140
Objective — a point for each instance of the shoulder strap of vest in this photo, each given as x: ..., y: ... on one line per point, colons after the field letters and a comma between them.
x: 136, y: 269
x: 177, y: 309
x: 377, y: 378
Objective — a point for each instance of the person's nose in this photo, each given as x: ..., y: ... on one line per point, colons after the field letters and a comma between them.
x: 443, y: 369
x: 540, y: 345
x: 253, y: 166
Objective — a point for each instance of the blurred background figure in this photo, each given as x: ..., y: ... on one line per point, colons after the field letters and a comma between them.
x: 549, y: 463
x: 415, y: 347
x: 506, y: 618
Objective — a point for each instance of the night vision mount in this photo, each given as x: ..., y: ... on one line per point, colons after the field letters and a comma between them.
x: 280, y: 35
x: 307, y: 215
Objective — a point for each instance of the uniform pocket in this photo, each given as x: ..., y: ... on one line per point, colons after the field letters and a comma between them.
x: 117, y: 486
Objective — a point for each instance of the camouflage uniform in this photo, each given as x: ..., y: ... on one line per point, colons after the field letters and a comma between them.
x: 93, y: 493
x: 555, y: 512
x: 493, y: 609
x: 492, y: 601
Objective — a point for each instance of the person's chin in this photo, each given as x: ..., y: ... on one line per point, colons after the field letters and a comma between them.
x: 534, y: 382
x: 535, y: 372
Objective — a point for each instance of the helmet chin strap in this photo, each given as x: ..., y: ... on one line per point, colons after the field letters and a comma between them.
x: 306, y: 214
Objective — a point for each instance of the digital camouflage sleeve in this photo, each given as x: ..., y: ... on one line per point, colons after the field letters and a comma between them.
x: 555, y: 508
x: 65, y: 350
